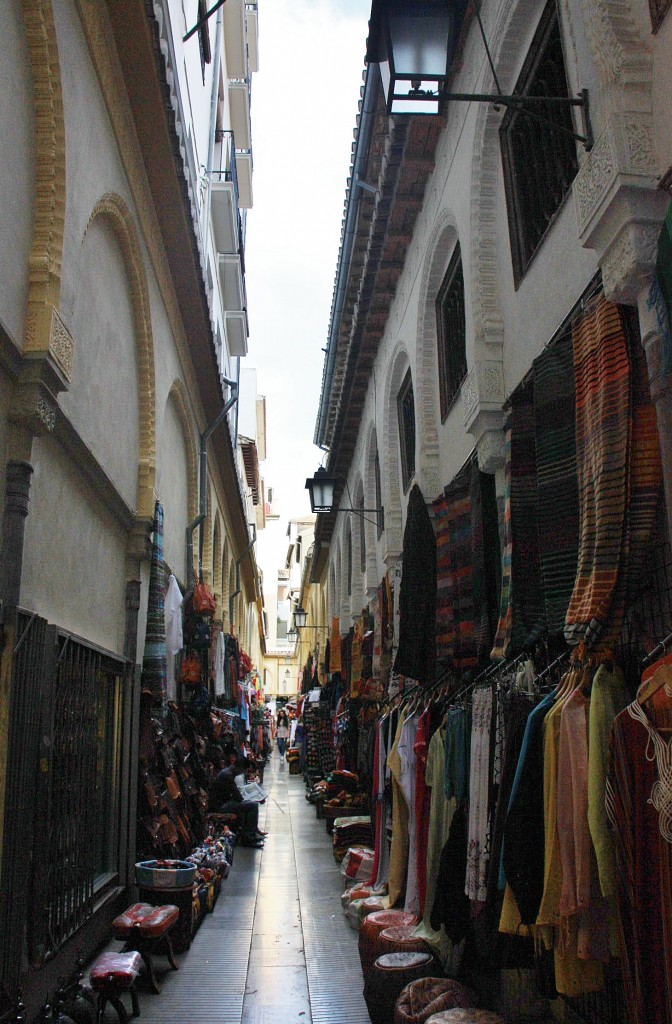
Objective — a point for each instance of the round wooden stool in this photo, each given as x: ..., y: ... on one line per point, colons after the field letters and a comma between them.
x: 390, y: 974
x: 419, y: 1000
x: 371, y: 928
x: 465, y: 1016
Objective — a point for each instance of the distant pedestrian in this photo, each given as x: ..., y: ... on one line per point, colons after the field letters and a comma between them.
x: 282, y: 731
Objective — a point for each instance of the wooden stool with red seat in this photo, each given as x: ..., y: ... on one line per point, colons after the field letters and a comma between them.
x: 112, y: 974
x: 146, y: 929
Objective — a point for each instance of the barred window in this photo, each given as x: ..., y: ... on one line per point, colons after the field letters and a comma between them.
x: 540, y: 161
x: 406, y: 411
x: 451, y: 331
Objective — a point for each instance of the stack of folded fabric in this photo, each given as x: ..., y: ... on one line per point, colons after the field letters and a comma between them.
x: 358, y: 864
x: 292, y: 756
x: 355, y: 831
x: 340, y: 781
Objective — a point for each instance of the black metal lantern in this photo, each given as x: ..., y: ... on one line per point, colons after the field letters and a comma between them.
x: 321, y: 490
x: 413, y: 42
x: 300, y: 616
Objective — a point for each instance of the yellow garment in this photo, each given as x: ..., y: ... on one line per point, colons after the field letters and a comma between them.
x: 572, y: 975
x: 335, y: 645
x: 399, y: 848
x: 509, y: 921
x: 607, y: 698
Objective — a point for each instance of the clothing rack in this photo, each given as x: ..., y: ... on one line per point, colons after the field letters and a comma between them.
x: 549, y: 668
x: 659, y: 649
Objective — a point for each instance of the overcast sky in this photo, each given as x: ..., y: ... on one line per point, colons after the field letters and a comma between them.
x: 304, y: 107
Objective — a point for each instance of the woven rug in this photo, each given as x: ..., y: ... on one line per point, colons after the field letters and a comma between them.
x: 486, y: 560
x: 603, y: 424
x: 502, y: 640
x: 557, y: 487
x: 154, y: 673
x: 455, y: 624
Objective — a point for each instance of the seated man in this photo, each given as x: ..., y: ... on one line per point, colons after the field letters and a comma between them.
x: 225, y: 798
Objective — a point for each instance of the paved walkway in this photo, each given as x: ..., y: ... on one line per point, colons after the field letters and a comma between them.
x: 277, y: 949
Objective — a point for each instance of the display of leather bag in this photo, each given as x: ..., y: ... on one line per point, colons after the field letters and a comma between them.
x: 173, y: 787
x: 203, y: 601
x: 200, y: 634
x: 190, y: 670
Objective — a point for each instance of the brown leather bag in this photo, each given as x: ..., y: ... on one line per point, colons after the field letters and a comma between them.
x: 190, y: 670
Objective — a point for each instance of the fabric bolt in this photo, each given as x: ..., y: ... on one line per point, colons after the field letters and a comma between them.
x: 154, y: 672
x: 602, y: 373
x: 422, y: 803
x: 407, y: 758
x: 639, y: 797
x: 608, y: 697
x: 417, y: 601
x: 335, y: 645
x: 478, y: 843
x: 399, y: 847
x: 557, y: 521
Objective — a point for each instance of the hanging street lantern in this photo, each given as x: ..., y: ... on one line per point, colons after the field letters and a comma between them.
x: 321, y: 490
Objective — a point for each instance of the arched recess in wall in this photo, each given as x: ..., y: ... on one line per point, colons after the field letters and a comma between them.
x: 439, y: 251
x: 391, y: 463
x: 112, y: 208
x: 333, y: 602
x: 46, y: 254
x: 373, y: 498
x: 224, y: 572
x: 338, y: 584
x: 346, y: 574
x: 207, y: 526
x: 217, y: 564
x: 180, y: 401
x: 232, y: 589
x: 357, y: 526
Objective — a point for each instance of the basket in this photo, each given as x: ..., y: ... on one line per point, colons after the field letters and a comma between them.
x: 165, y: 874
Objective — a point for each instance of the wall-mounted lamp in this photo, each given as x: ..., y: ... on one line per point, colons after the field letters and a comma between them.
x: 292, y: 636
x: 300, y: 616
x: 321, y: 490
x: 414, y: 42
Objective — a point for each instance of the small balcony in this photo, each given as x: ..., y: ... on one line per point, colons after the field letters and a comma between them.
x: 235, y: 43
x: 231, y: 281
x: 225, y: 199
x: 239, y: 106
x: 244, y: 175
x: 252, y: 36
x: 235, y: 325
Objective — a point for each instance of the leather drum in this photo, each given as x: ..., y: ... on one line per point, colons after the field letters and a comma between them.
x: 401, y: 940
x: 464, y: 1016
x: 390, y: 974
x: 371, y: 928
x: 427, y: 996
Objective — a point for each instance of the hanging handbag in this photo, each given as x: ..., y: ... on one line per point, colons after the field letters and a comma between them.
x: 190, y: 671
x: 203, y: 601
x: 200, y: 636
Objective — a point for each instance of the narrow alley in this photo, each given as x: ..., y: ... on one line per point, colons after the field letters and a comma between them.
x: 277, y: 948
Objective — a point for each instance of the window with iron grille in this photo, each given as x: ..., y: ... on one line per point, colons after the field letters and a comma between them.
x: 406, y: 411
x: 451, y: 331
x: 539, y: 160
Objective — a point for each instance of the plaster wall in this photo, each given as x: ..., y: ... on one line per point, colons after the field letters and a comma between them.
x: 103, y: 398
x: 661, y: 92
x: 17, y: 169
x: 172, y: 488
x: 74, y: 558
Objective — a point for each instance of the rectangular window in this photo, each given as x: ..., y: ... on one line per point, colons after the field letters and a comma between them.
x: 406, y: 410
x: 539, y: 160
x: 451, y: 331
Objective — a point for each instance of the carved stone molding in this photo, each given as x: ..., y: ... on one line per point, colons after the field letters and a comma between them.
x: 61, y: 345
x: 629, y: 262
x: 140, y: 540
x: 624, y: 153
x: 33, y: 407
x: 490, y: 450
x: 619, y: 205
x: 482, y: 390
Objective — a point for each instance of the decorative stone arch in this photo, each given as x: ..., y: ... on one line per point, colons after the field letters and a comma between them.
x: 46, y: 254
x: 217, y: 563
x: 358, y: 526
x: 180, y: 399
x: 371, y: 501
x: 440, y: 248
x: 113, y: 209
x: 622, y: 53
x: 398, y: 365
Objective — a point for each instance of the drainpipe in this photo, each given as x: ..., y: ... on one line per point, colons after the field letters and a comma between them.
x: 214, y: 96
x: 202, y: 482
x: 234, y: 595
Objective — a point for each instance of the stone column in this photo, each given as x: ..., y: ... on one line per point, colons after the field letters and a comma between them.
x: 17, y: 497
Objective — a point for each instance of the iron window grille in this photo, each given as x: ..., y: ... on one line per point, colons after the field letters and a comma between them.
x: 451, y: 330
x: 406, y: 411
x: 540, y: 162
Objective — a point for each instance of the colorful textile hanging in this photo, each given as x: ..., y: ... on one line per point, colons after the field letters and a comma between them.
x: 356, y: 659
x: 557, y: 486
x: 504, y: 627
x: 154, y: 674
x: 486, y: 559
x: 603, y: 425
x: 454, y: 575
x: 335, y: 645
x: 417, y: 597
